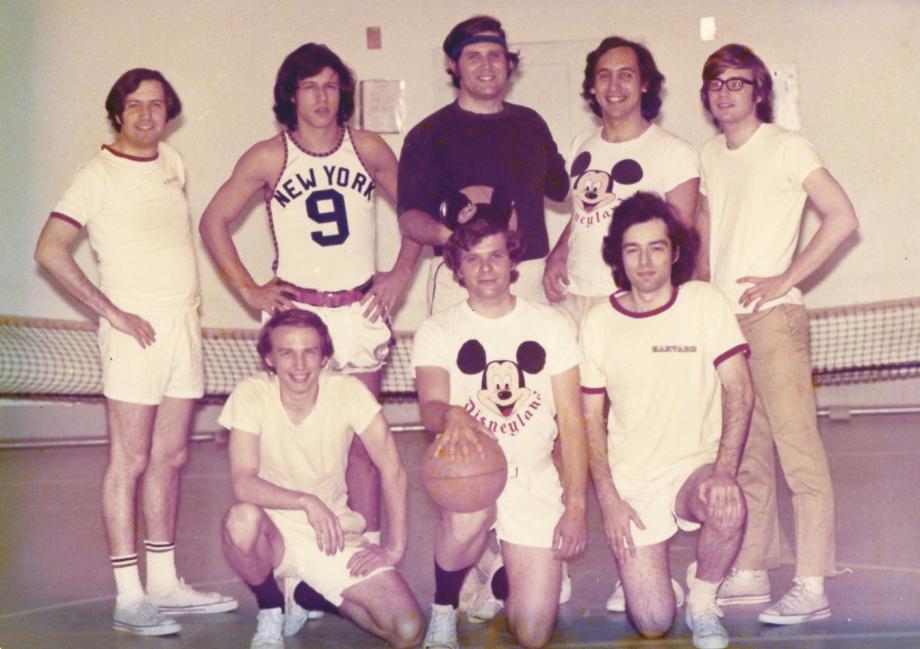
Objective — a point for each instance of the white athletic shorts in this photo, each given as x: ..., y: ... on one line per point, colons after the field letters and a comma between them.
x: 443, y: 292
x: 303, y: 560
x: 655, y: 502
x: 170, y: 367
x: 530, y: 506
x: 359, y: 344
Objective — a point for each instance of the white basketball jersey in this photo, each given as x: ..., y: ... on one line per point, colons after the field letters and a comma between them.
x: 321, y: 213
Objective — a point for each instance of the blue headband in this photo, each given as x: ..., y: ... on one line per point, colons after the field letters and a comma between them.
x: 476, y: 38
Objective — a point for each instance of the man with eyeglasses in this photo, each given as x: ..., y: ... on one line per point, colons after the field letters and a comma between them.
x: 755, y: 179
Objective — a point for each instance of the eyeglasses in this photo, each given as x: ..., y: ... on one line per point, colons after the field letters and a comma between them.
x: 734, y: 84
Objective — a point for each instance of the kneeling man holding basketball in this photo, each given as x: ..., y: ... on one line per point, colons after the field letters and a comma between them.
x: 500, y: 367
x: 291, y: 430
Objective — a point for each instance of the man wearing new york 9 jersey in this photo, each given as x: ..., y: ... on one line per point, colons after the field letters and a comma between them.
x: 318, y: 178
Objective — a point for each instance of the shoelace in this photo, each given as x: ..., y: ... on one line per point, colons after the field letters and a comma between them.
x: 707, y: 620
x: 267, y: 626
x: 794, y: 597
x: 442, y: 624
x: 742, y: 575
x: 147, y: 611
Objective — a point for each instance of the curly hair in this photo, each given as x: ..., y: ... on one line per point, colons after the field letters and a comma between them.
x: 131, y: 81
x: 307, y: 61
x: 639, y: 208
x: 649, y: 74
x: 293, y: 318
x: 469, y: 234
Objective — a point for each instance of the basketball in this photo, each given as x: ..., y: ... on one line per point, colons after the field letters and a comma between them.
x: 468, y: 485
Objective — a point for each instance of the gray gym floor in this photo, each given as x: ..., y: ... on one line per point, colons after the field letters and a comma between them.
x: 56, y: 590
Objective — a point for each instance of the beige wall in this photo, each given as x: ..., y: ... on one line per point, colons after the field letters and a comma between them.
x: 857, y: 67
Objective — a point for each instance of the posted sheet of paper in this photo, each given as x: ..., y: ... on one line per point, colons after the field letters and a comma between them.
x: 382, y: 106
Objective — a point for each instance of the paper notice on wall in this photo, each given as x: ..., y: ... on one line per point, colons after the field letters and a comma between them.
x: 786, y: 95
x: 382, y: 105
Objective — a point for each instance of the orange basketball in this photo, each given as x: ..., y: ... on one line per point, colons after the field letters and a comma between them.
x: 465, y: 485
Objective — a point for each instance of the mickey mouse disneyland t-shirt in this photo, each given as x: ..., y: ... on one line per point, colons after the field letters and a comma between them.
x: 603, y: 175
x: 501, y: 370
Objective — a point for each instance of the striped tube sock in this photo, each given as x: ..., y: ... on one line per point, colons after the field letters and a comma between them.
x: 161, y: 567
x: 127, y: 578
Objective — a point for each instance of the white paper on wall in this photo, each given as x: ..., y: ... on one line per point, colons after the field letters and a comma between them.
x: 786, y: 95
x: 383, y: 106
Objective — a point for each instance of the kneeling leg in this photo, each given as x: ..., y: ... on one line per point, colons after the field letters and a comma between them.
x: 384, y: 605
x: 534, y: 578
x: 646, y: 581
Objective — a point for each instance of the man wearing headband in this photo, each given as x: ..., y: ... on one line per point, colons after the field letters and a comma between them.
x: 477, y: 144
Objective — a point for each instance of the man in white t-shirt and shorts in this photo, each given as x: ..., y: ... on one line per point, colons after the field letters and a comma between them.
x: 503, y: 366
x: 319, y: 178
x: 628, y: 153
x: 756, y: 177
x: 670, y: 357
x: 291, y: 430
x: 131, y: 198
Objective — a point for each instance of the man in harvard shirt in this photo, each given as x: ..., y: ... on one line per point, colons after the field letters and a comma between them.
x: 670, y: 357
x: 131, y: 198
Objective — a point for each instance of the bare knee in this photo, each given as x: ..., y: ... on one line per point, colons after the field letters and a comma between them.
x: 407, y: 631
x: 242, y: 524
x: 652, y: 624
x: 128, y: 464
x: 465, y: 528
x: 531, y: 631
x: 172, y: 460
x: 653, y: 633
x: 530, y: 623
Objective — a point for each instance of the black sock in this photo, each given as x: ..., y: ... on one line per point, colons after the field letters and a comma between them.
x: 447, y: 585
x: 313, y: 601
x: 500, y: 587
x: 268, y: 595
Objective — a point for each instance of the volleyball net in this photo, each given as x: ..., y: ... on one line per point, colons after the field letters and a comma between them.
x: 59, y: 359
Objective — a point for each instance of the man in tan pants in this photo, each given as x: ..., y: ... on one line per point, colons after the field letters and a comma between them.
x: 755, y: 180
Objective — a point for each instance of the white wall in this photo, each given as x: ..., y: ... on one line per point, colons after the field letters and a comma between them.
x: 856, y: 63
